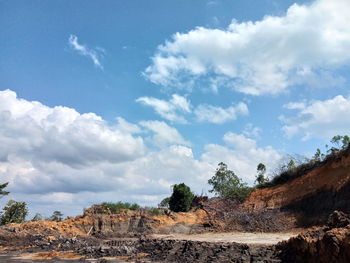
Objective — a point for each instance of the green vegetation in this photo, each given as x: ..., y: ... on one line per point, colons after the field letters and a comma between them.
x: 2, y: 192
x: 37, y: 217
x: 14, y: 212
x: 56, y: 216
x: 164, y: 203
x: 181, y: 199
x: 228, y: 185
x: 155, y: 211
x: 260, y: 177
x: 116, y: 208
x: 296, y: 167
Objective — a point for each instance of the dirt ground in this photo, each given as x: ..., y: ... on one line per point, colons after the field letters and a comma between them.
x: 35, y: 258
x: 237, y: 237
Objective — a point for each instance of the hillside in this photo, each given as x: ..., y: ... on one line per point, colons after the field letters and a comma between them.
x: 312, y: 196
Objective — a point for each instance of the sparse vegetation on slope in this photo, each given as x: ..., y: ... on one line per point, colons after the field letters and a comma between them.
x: 295, y: 168
x: 116, y: 208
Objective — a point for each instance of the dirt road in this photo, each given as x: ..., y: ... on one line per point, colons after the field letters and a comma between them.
x: 237, y: 237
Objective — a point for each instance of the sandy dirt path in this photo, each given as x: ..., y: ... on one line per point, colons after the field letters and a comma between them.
x: 237, y: 237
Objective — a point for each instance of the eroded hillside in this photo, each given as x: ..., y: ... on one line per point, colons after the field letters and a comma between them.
x: 312, y: 196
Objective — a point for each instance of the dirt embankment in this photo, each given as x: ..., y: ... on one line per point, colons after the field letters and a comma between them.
x: 327, y: 244
x: 311, y: 197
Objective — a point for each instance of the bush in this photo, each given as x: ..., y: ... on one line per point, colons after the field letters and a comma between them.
x: 14, y: 212
x: 181, y: 199
x: 116, y: 208
x: 155, y: 211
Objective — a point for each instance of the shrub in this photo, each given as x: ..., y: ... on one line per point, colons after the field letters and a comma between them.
x: 116, y: 208
x: 155, y: 211
x: 181, y: 198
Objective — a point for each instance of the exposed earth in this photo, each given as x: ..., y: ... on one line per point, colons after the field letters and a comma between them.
x: 305, y: 219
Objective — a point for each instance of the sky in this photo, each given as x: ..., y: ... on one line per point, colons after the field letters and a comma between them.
x: 106, y: 101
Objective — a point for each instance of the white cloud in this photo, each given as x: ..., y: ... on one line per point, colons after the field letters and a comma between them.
x: 252, y: 131
x: 163, y: 133
x: 213, y: 114
x: 175, y: 109
x: 52, y: 156
x: 61, y: 134
x: 58, y: 159
x: 262, y: 57
x: 318, y: 119
x: 171, y: 110
x: 242, y: 155
x: 94, y: 54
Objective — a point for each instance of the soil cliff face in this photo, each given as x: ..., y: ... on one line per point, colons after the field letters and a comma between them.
x: 313, y: 196
x: 322, y: 245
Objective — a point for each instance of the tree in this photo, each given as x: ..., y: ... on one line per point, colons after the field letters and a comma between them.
x: 181, y: 198
x: 2, y: 192
x: 319, y: 156
x: 342, y: 142
x: 164, y: 203
x: 14, y: 212
x: 228, y: 185
x: 37, y: 217
x: 261, y: 170
x: 56, y: 216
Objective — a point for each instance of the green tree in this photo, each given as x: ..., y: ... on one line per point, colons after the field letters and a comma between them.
x: 228, y: 185
x: 319, y: 156
x: 56, y: 216
x: 14, y: 212
x: 342, y: 142
x: 164, y: 203
x: 181, y: 198
x: 261, y: 170
x: 37, y: 217
x: 2, y: 192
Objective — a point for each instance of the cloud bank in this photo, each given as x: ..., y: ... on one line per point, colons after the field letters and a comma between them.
x: 318, y: 119
x: 56, y: 158
x: 268, y: 56
x: 178, y: 106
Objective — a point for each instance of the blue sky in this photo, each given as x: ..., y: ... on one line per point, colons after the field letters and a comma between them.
x: 118, y: 100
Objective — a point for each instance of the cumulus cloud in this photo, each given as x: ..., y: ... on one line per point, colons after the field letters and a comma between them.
x: 163, y: 134
x: 263, y: 57
x: 94, y: 54
x: 171, y: 110
x: 56, y: 158
x: 319, y: 119
x: 61, y: 134
x: 213, y: 114
x: 174, y: 110
x: 53, y: 155
x: 242, y: 155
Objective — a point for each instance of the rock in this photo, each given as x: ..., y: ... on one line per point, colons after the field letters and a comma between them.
x: 338, y: 219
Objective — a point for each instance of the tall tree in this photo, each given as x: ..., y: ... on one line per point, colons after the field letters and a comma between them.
x: 261, y: 170
x: 228, y: 185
